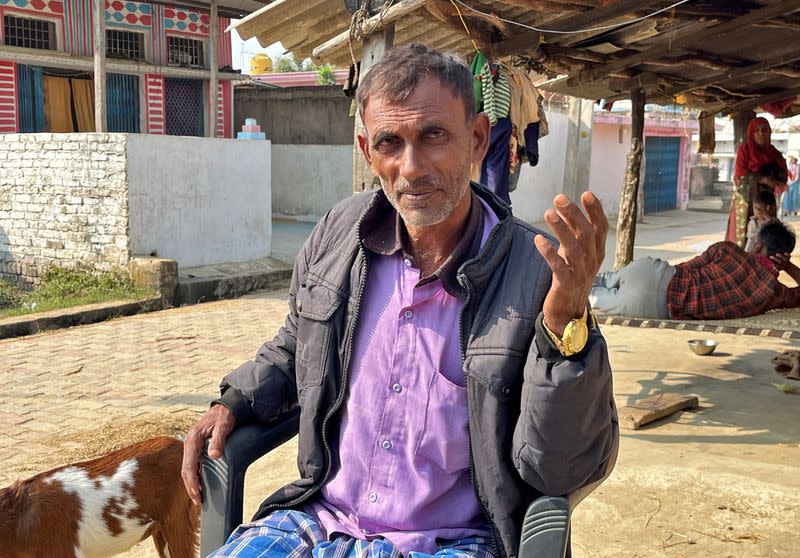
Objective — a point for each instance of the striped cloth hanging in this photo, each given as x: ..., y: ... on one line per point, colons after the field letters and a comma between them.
x: 496, y: 94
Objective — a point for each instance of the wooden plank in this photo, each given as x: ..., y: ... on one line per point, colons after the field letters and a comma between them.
x: 98, y: 7
x: 529, y: 40
x: 214, y: 62
x: 649, y: 409
x: 672, y: 45
x: 394, y: 13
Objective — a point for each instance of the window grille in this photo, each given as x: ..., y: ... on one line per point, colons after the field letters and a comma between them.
x: 29, y: 33
x: 185, y: 52
x: 124, y: 44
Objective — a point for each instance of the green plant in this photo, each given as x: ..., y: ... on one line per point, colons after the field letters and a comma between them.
x: 325, y: 75
x: 285, y: 63
x: 9, y: 294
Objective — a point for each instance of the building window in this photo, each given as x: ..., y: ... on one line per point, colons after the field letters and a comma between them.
x: 185, y: 52
x: 124, y: 44
x: 29, y: 33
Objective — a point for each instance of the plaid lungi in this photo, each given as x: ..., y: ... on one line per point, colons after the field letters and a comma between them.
x: 294, y: 534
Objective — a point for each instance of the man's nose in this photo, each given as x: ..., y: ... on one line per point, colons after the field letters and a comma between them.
x: 413, y: 164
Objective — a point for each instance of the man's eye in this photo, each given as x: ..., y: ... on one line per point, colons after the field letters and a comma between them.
x: 387, y: 142
x: 433, y: 134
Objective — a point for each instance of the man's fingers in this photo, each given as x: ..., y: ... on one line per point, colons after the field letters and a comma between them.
x: 577, y: 222
x: 562, y: 232
x: 192, y: 446
x: 548, y: 252
x: 598, y: 219
x: 217, y: 444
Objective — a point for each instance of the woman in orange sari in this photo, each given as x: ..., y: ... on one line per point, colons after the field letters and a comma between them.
x: 758, y: 165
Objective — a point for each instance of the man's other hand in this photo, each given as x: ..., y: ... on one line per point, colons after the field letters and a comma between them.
x: 582, y: 245
x: 216, y: 423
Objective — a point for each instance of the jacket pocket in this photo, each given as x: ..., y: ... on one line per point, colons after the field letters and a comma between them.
x: 316, y: 305
x: 500, y: 374
x: 444, y: 440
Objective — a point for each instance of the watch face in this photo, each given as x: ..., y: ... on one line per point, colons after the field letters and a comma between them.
x: 579, y: 334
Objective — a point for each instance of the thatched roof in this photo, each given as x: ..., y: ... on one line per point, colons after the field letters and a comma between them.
x: 719, y: 55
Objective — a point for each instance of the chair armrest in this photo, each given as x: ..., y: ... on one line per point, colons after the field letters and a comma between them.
x: 546, y: 528
x: 222, y: 479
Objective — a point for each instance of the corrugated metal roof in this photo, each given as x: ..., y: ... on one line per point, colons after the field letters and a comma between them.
x: 719, y: 55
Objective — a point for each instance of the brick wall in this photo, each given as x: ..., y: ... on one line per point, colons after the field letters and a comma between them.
x: 63, y: 201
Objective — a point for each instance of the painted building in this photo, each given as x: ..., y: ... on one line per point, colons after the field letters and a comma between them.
x: 157, y: 68
x: 666, y: 162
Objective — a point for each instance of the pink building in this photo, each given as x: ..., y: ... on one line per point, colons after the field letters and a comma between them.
x: 665, y: 166
x: 157, y: 67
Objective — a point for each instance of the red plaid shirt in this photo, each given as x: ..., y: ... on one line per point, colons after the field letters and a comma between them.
x: 726, y: 282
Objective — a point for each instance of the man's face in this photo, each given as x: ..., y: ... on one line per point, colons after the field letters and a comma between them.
x: 421, y: 150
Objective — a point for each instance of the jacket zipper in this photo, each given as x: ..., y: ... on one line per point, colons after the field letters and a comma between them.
x: 342, y: 388
x: 496, y: 541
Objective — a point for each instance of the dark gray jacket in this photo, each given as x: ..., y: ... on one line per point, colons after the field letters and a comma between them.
x: 539, y: 423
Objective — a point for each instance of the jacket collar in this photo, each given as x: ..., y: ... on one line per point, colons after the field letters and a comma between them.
x: 477, y: 271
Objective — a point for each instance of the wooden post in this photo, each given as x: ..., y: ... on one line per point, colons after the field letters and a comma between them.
x: 100, y: 124
x: 628, y: 204
x: 375, y: 46
x: 740, y: 122
x: 214, y: 62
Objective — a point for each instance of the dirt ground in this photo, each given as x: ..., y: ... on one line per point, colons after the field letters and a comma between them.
x: 721, y: 481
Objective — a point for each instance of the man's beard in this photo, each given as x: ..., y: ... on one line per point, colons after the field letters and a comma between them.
x: 434, y: 213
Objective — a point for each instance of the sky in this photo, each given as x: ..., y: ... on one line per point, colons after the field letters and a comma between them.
x: 244, y: 50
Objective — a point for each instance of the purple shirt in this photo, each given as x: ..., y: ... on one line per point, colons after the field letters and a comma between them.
x: 403, y: 448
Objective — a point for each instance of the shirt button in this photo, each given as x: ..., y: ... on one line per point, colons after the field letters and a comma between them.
x: 386, y: 444
x: 397, y: 388
x: 407, y: 261
x: 373, y: 497
x: 408, y: 314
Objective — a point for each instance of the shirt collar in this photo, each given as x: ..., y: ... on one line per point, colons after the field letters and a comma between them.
x: 387, y: 239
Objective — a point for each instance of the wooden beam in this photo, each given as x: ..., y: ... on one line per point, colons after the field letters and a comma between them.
x: 628, y: 204
x: 394, y: 13
x: 738, y: 73
x: 753, y: 103
x: 375, y: 47
x: 99, y: 13
x: 277, y: 15
x: 677, y: 45
x: 528, y: 41
x: 214, y: 61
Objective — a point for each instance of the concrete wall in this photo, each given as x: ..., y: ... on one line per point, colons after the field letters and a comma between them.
x: 62, y: 202
x: 297, y: 115
x: 538, y: 185
x: 307, y: 180
x: 199, y: 200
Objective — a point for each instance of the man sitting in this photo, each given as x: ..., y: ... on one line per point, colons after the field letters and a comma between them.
x: 721, y: 283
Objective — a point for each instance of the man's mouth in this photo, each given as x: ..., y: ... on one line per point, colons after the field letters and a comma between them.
x: 417, y: 196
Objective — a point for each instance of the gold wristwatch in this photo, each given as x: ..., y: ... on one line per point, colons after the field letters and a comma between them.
x: 575, y: 335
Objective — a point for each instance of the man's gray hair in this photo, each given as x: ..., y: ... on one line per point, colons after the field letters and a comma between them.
x: 396, y: 75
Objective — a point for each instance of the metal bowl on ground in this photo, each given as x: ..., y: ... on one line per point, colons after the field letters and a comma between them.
x: 703, y: 346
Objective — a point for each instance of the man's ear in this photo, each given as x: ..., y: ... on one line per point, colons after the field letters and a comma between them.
x: 364, y: 145
x: 479, y: 128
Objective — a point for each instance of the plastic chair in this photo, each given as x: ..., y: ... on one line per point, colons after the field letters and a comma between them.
x: 545, y: 528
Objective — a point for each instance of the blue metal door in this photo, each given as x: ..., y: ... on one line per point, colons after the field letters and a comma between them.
x: 122, y: 101
x: 661, y: 173
x: 30, y: 99
x: 183, y: 105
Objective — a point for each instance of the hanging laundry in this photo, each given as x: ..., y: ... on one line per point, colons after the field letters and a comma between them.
x: 495, y: 169
x: 496, y: 92
x: 475, y: 68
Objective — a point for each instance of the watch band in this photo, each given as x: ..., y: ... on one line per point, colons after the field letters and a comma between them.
x: 567, y: 349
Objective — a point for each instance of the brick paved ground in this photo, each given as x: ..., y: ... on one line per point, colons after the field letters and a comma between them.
x: 722, y: 481
x: 144, y: 366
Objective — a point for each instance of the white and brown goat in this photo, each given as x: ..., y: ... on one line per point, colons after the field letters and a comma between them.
x: 102, y: 507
